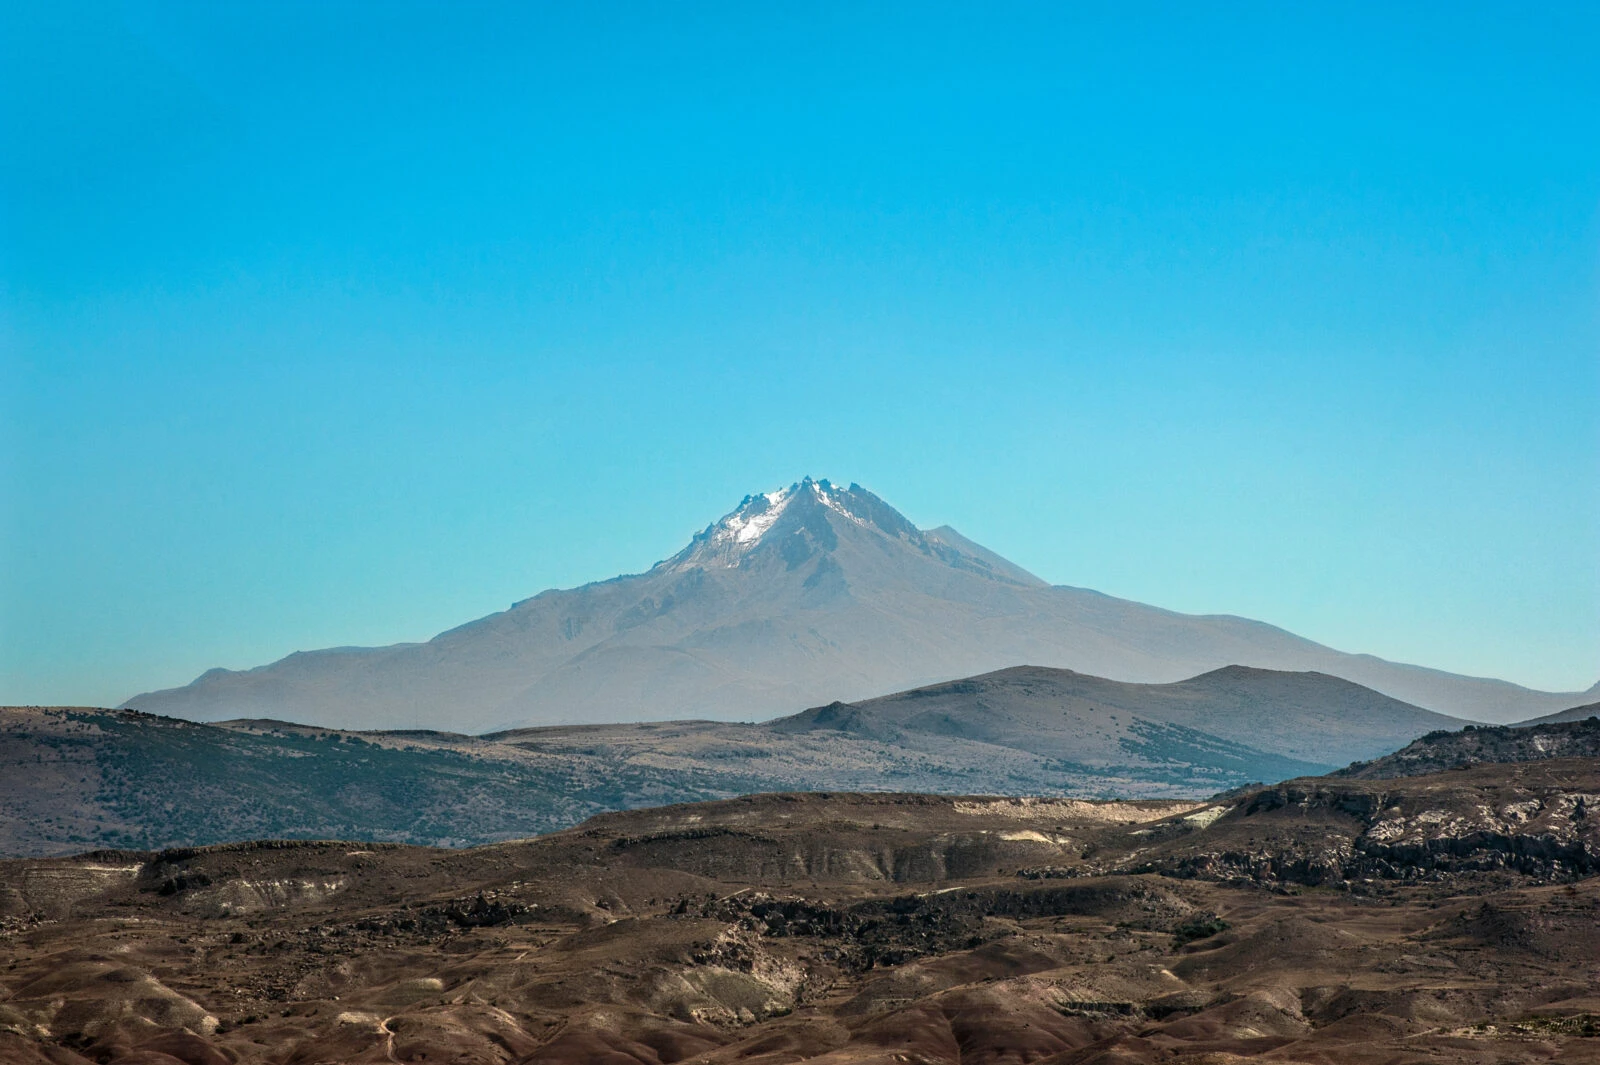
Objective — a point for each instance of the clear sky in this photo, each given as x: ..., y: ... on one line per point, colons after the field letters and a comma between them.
x: 339, y: 323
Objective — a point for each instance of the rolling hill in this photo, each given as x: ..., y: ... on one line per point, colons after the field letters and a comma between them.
x: 1317, y: 719
x: 76, y: 778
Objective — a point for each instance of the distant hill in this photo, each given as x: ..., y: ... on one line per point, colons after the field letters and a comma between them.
x: 795, y: 598
x: 1437, y: 751
x: 1312, y: 717
x: 1577, y: 713
x: 76, y: 778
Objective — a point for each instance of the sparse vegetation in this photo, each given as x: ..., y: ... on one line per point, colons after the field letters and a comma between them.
x: 1199, y: 926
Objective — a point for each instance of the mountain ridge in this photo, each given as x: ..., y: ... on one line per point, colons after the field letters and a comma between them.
x: 796, y: 597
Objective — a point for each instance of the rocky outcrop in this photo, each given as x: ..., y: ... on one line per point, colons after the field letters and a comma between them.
x: 1317, y: 833
x: 1479, y: 744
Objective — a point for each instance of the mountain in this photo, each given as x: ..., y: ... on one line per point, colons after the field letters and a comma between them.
x: 73, y: 778
x: 798, y: 597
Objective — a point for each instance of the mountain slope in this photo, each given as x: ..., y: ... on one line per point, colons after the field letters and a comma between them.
x: 797, y: 597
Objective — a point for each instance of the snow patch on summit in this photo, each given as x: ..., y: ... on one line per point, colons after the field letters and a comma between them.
x: 753, y: 518
x: 822, y: 489
x: 726, y: 542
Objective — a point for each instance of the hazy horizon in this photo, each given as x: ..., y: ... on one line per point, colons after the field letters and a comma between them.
x: 317, y: 330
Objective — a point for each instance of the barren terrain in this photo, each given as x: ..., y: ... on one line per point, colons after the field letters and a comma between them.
x: 1452, y: 917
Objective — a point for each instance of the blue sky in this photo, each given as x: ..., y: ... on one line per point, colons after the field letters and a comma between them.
x: 345, y: 323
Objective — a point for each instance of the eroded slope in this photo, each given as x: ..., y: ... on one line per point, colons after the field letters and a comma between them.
x: 849, y: 929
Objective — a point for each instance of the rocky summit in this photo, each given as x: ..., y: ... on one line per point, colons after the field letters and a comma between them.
x: 796, y: 598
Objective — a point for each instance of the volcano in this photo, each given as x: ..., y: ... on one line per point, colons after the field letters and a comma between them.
x: 807, y: 595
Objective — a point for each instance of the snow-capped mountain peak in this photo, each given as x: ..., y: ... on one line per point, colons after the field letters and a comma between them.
x: 732, y: 538
x: 755, y: 515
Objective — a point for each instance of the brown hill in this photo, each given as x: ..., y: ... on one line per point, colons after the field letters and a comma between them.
x: 1443, y: 918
